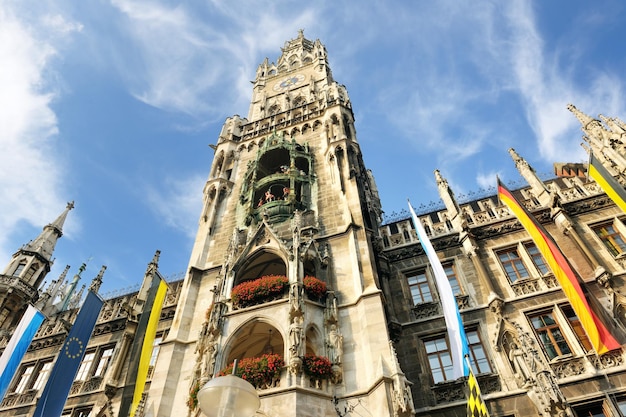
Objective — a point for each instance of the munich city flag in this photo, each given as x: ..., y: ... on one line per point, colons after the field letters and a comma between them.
x: 141, y: 350
x: 607, y: 182
x: 459, y: 347
x: 599, y: 336
x: 19, y: 343
x: 52, y: 400
x: 475, y: 405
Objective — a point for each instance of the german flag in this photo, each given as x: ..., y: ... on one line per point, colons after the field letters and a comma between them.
x: 600, y: 337
x: 607, y: 182
x: 141, y: 350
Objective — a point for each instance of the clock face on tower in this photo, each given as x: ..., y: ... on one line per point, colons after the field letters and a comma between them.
x: 291, y: 81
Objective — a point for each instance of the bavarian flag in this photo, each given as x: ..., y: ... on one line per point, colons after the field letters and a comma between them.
x: 607, y: 182
x: 57, y: 389
x: 141, y: 350
x: 599, y: 336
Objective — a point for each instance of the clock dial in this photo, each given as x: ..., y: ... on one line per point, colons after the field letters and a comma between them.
x: 291, y: 81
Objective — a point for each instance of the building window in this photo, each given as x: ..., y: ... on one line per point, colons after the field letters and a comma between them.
x: 103, y: 362
x: 512, y: 263
x: 577, y: 327
x: 537, y: 258
x: 550, y: 334
x: 610, y: 237
x: 452, y: 277
x: 85, y: 366
x: 590, y: 410
x: 23, y: 382
x: 420, y: 290
x: 95, y: 363
x: 78, y: 412
x: 478, y: 358
x: 439, y: 359
x: 31, y: 271
x: 19, y: 269
x: 3, y: 315
x: 42, y: 375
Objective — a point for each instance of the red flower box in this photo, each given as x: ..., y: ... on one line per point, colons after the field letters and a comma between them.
x: 315, y: 288
x: 258, y: 290
x: 261, y: 372
x: 317, y: 367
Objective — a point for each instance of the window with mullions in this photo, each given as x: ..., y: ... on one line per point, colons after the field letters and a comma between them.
x: 453, y: 279
x: 419, y: 287
x: 440, y: 359
x: 611, y: 237
x: 478, y: 357
x: 577, y: 327
x: 537, y: 258
x: 550, y: 334
x: 512, y: 263
x: 43, y: 372
x: 23, y: 383
x: 593, y: 410
x: 95, y: 363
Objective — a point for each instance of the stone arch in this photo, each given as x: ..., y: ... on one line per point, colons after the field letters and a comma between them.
x: 266, y: 261
x: 299, y: 101
x: 217, y: 166
x: 253, y: 338
x: 274, y: 109
x: 314, y: 341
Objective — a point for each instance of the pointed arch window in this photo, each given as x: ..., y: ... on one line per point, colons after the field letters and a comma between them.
x: 20, y: 267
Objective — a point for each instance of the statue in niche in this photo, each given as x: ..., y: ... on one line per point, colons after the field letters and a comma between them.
x: 210, y: 357
x: 334, y: 342
x: 295, y: 335
x: 517, y: 357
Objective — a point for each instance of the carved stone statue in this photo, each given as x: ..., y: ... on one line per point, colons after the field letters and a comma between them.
x: 520, y: 367
x: 334, y: 344
x: 295, y: 336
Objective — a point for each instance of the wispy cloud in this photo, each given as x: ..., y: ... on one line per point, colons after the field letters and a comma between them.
x: 182, y: 61
x: 31, y: 176
x: 178, y: 202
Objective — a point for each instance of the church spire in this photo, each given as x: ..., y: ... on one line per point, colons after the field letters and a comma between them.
x: 44, y: 243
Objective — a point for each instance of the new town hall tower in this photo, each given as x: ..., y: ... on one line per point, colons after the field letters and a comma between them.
x: 284, y: 260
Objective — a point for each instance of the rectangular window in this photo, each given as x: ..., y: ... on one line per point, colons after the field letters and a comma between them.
x: 478, y: 358
x: 550, y: 334
x: 103, y: 362
x: 439, y: 359
x: 85, y: 366
x: 156, y: 346
x: 577, y: 327
x: 595, y: 410
x: 611, y: 237
x: 42, y: 375
x: 512, y: 264
x: 420, y: 290
x: 537, y: 258
x: 24, y: 379
x: 454, y: 281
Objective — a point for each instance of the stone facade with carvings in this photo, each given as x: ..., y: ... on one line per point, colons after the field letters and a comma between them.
x: 330, y: 310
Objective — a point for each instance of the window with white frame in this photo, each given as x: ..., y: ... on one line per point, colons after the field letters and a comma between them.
x: 611, y: 234
x: 43, y: 372
x: 95, y: 363
x: 24, y: 379
x: 560, y: 331
x: 522, y: 261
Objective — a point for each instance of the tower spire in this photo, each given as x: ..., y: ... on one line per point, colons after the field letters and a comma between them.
x: 45, y: 243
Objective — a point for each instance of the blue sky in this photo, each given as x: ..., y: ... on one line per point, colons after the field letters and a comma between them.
x: 113, y: 103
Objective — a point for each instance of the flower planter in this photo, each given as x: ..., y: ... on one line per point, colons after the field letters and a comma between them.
x: 262, y: 372
x: 315, y: 288
x: 257, y: 291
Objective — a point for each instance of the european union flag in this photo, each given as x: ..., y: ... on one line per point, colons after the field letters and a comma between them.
x: 59, y: 383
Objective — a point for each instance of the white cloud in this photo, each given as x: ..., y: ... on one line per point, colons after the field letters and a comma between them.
x: 185, y: 63
x: 31, y: 175
x: 178, y: 202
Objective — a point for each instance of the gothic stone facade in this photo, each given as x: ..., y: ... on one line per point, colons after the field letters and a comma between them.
x: 292, y: 265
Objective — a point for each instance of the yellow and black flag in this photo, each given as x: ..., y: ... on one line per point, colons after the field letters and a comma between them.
x: 141, y: 350
x: 475, y: 405
x: 607, y: 182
